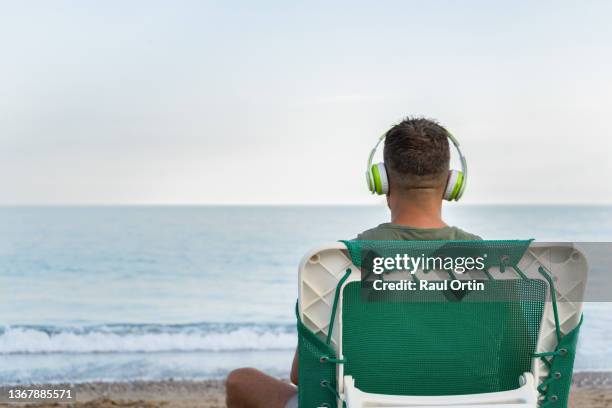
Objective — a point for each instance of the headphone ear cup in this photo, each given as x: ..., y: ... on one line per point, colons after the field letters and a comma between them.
x: 370, y: 181
x: 462, y: 183
x: 379, y: 179
x: 454, y: 185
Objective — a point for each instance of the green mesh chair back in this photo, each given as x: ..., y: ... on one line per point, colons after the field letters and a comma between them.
x: 426, y: 343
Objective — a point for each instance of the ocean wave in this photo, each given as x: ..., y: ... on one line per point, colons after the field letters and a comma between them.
x: 145, y: 338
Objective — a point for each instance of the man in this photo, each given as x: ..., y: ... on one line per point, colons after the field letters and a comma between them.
x: 416, y: 160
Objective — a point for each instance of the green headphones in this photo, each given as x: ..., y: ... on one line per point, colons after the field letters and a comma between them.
x: 378, y: 182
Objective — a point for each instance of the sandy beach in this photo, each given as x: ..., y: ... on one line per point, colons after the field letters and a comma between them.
x: 590, y: 390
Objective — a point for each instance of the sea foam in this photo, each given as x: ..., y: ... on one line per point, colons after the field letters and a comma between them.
x: 152, y: 338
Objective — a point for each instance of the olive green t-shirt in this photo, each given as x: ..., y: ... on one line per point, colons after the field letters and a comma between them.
x: 388, y: 231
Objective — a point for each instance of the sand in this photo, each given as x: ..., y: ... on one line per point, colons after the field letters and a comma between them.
x: 590, y: 390
x: 149, y: 394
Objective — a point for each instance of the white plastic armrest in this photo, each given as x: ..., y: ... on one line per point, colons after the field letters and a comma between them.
x: 525, y: 396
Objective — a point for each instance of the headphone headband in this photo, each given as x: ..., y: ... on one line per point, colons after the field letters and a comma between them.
x: 371, y: 157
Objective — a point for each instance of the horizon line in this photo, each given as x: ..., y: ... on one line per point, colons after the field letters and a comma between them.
x: 552, y: 204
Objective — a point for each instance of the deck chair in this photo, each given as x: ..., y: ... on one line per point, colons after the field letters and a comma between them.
x: 449, y: 348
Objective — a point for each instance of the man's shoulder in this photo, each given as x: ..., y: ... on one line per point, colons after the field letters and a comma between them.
x: 464, y: 235
x: 378, y: 233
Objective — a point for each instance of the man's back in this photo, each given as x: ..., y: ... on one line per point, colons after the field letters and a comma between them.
x: 389, y: 231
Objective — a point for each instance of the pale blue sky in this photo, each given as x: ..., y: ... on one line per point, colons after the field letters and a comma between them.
x: 277, y: 102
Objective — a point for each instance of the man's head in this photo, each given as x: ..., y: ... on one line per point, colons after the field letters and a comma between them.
x: 417, y: 156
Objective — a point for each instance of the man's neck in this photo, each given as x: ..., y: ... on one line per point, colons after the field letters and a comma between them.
x: 422, y: 210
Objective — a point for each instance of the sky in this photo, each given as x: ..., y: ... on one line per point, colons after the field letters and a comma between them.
x: 275, y: 102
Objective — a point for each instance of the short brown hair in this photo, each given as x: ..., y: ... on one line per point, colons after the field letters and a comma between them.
x: 417, y: 152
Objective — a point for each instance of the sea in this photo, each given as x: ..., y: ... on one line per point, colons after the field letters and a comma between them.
x: 123, y: 293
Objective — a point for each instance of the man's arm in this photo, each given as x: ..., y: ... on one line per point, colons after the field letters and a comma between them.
x: 294, y: 369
